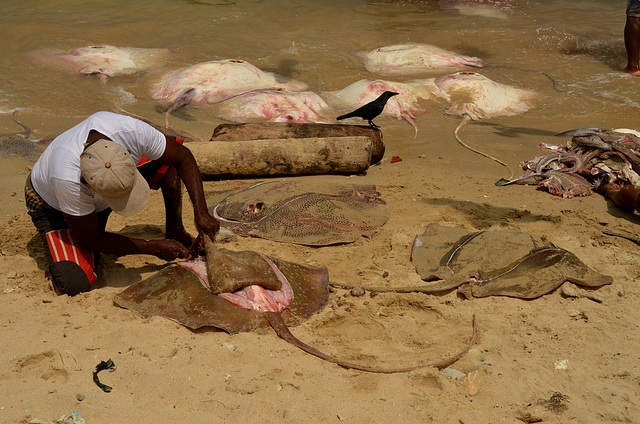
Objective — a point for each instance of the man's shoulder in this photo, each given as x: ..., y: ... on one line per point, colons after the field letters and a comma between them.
x: 111, y: 118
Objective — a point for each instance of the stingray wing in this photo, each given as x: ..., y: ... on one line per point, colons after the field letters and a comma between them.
x: 538, y: 273
x: 177, y: 293
x: 309, y: 284
x: 434, y: 252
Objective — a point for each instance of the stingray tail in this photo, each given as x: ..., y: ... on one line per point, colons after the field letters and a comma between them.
x: 465, y: 120
x: 183, y: 99
x: 409, y: 118
x: 275, y: 319
x: 27, y: 131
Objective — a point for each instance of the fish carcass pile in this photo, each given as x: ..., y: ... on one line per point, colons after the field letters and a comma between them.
x: 591, y: 157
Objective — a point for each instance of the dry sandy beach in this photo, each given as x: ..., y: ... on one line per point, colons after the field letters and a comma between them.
x: 555, y: 359
x: 560, y: 359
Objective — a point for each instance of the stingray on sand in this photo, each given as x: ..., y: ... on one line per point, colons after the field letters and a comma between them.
x: 493, y: 263
x: 269, y: 291
x: 293, y: 212
x: 497, y: 263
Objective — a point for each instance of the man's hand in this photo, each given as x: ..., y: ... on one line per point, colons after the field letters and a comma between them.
x: 169, y: 250
x: 207, y: 224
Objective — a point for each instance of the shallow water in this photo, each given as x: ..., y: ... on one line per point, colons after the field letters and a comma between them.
x: 571, y: 52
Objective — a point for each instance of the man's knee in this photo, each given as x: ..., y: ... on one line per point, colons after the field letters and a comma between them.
x: 68, y: 278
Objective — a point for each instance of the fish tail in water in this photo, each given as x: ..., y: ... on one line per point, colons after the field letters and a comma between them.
x: 27, y: 131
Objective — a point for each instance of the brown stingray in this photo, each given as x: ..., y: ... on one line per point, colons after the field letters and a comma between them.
x: 492, y: 263
x: 228, y: 273
x: 502, y: 262
x: 177, y: 293
x: 294, y: 212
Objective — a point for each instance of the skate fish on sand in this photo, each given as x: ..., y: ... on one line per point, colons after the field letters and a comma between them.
x: 24, y: 143
x: 294, y: 212
x: 105, y: 61
x: 474, y: 96
x: 496, y: 263
x: 414, y: 59
x: 492, y: 263
x: 403, y: 106
x: 273, y: 106
x: 184, y: 292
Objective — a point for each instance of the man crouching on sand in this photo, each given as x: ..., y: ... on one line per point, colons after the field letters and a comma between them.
x: 108, y: 162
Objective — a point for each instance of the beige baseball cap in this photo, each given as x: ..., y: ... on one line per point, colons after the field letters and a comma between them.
x: 111, y: 171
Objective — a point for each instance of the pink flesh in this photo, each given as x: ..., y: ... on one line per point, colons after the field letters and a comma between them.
x: 198, y: 266
x: 251, y: 297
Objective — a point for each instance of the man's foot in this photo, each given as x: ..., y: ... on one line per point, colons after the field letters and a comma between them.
x: 609, y: 190
x: 624, y: 196
x: 635, y: 71
x: 182, y: 236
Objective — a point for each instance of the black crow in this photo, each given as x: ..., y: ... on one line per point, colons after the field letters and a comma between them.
x: 371, y: 109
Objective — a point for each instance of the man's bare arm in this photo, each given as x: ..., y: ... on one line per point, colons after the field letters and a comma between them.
x: 86, y: 230
x: 182, y: 159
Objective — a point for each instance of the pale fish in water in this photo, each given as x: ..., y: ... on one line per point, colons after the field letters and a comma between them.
x: 104, y: 61
x: 479, y: 97
x: 497, y: 9
x: 273, y: 106
x: 414, y: 58
x: 403, y: 106
x: 218, y: 80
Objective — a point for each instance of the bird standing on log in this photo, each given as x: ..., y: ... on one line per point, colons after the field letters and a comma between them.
x: 371, y: 109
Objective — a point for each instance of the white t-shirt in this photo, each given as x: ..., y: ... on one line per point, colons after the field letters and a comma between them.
x: 56, y: 175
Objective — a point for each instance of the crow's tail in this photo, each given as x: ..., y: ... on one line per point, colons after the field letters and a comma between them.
x: 348, y: 115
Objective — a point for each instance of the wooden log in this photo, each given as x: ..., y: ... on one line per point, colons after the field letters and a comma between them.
x: 279, y: 157
x: 270, y: 130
